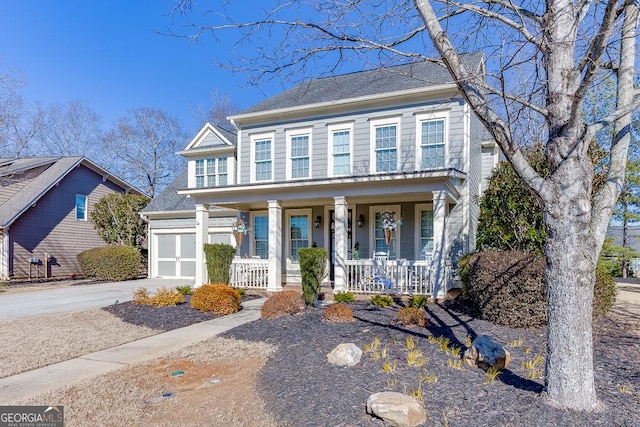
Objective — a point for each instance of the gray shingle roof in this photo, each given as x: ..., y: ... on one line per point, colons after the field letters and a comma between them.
x: 365, y: 83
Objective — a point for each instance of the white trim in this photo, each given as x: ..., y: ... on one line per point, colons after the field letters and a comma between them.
x: 372, y: 227
x: 86, y: 207
x: 202, y: 134
x: 290, y: 212
x: 290, y: 133
x: 432, y: 116
x: 331, y: 129
x: 387, y: 121
x: 252, y: 227
x: 417, y: 220
x: 252, y: 140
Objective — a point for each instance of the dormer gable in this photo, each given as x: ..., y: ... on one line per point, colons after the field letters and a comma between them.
x: 211, y: 157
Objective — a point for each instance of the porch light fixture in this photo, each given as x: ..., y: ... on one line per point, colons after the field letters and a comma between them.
x: 317, y: 221
x: 360, y: 221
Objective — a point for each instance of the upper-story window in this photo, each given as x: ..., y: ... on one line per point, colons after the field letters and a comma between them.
x: 81, y: 207
x: 432, y: 134
x: 262, y: 157
x: 385, y: 141
x: 340, y: 137
x: 298, y: 152
x: 211, y: 172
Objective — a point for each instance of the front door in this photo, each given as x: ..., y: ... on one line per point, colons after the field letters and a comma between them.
x: 332, y: 239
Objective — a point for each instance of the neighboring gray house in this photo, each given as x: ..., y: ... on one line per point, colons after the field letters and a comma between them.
x: 44, y: 213
x: 333, y: 162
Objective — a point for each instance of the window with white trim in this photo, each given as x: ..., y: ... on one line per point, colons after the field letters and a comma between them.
x: 262, y: 159
x: 298, y: 152
x: 261, y: 235
x: 385, y: 135
x: 432, y: 134
x: 340, y: 137
x: 298, y: 232
x: 81, y: 207
x: 426, y: 234
x: 211, y: 172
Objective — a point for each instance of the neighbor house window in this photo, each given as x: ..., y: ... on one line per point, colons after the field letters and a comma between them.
x: 340, y: 149
x: 81, y: 207
x: 432, y: 136
x: 211, y: 172
x: 298, y: 152
x: 262, y: 159
x: 298, y: 233
x: 385, y: 135
x: 261, y: 236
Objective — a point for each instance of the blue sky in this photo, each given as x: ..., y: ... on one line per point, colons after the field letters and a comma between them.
x: 107, y: 53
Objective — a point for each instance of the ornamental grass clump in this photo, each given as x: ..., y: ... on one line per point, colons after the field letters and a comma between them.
x: 217, y: 298
x: 340, y: 313
x: 283, y: 304
x: 163, y: 297
x: 411, y: 316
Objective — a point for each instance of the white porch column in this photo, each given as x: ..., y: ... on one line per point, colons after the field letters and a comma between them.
x: 439, y: 243
x: 202, y: 231
x: 341, y: 241
x: 275, y: 246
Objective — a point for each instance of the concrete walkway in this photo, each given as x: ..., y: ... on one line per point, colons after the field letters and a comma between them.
x: 628, y: 300
x: 21, y: 386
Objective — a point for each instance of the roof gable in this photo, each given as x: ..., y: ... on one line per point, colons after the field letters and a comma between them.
x: 212, y: 137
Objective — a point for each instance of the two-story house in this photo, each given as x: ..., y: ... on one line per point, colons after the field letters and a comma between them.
x: 382, y: 168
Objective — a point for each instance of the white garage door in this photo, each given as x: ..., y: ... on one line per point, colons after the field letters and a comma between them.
x: 176, y: 256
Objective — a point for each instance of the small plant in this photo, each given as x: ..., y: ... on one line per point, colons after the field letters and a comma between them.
x: 415, y: 358
x: 384, y: 352
x: 217, y: 298
x: 241, y: 291
x: 625, y: 389
x: 428, y: 378
x: 382, y: 300
x: 375, y: 355
x: 455, y: 350
x: 392, y: 383
x: 418, y: 301
x: 533, y: 367
x: 417, y: 393
x: 141, y: 296
x: 340, y: 313
x: 375, y: 343
x: 411, y: 344
x: 454, y: 364
x: 184, y: 290
x: 282, y: 304
x: 468, y: 341
x: 388, y: 366
x: 516, y: 343
x: 432, y: 339
x: 491, y: 374
x: 444, y: 344
x: 527, y: 350
x: 163, y: 297
x: 412, y: 316
x: 345, y: 297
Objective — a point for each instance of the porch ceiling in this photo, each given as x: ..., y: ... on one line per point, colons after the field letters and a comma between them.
x: 387, y: 188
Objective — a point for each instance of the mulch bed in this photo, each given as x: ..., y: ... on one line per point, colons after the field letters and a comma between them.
x: 302, y: 389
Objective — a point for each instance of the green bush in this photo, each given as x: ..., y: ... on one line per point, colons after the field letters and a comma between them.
x: 313, y: 268
x: 184, y: 290
x: 110, y: 263
x: 508, y: 288
x: 418, y: 301
x: 345, y: 297
x: 382, y: 300
x: 219, y: 258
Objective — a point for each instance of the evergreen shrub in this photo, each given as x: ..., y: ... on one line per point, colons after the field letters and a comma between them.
x: 313, y: 268
x: 115, y: 263
x: 219, y: 258
x: 339, y: 313
x: 411, y: 316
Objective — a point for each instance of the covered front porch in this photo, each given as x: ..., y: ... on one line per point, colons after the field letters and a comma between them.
x: 366, y: 254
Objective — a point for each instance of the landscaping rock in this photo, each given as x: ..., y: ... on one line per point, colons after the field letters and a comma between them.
x: 345, y: 354
x: 486, y: 353
x: 396, y: 409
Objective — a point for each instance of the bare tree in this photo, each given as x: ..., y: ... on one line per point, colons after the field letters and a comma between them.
x: 142, y: 148
x: 72, y: 129
x: 542, y: 58
x: 221, y: 107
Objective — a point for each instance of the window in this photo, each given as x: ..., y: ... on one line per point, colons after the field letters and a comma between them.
x: 81, y: 207
x: 426, y: 234
x: 262, y: 159
x: 380, y: 244
x: 207, y: 170
x: 299, y: 232
x: 385, y: 144
x: 432, y: 134
x: 340, y: 149
x: 298, y: 153
x: 261, y: 236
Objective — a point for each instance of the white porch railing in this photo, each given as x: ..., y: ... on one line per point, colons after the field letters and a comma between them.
x: 250, y: 273
x: 404, y: 277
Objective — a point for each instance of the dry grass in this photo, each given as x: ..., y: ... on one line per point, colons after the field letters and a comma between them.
x: 196, y: 401
x: 34, y: 342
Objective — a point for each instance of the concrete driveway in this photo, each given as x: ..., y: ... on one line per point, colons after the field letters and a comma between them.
x: 76, y: 297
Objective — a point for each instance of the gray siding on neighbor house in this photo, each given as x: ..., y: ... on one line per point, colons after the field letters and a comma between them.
x: 51, y: 227
x: 361, y: 153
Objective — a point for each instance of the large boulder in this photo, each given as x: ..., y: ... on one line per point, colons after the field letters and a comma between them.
x: 345, y: 354
x: 486, y: 353
x: 396, y: 409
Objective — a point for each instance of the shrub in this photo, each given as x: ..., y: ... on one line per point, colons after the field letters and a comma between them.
x: 219, y: 258
x: 338, y: 313
x: 418, y: 301
x: 163, y: 297
x: 382, y: 300
x: 345, y: 297
x: 412, y: 316
x: 184, y: 290
x: 116, y: 218
x: 282, y: 304
x: 217, y: 298
x: 241, y: 292
x: 508, y: 288
x: 115, y: 263
x: 313, y: 268
x: 141, y: 296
